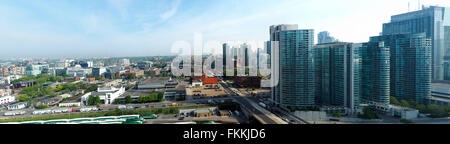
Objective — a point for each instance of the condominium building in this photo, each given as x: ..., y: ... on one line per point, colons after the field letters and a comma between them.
x: 337, y: 75
x: 375, y: 68
x: 296, y: 70
x: 430, y: 20
x: 410, y: 65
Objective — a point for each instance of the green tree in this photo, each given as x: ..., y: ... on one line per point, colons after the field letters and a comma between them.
x: 23, y: 98
x: 94, y: 100
x: 59, y: 88
x: 394, y: 100
x: 128, y: 99
x: 52, y: 95
x: 368, y: 114
x: 405, y: 103
x: 42, y: 106
x: 130, y: 76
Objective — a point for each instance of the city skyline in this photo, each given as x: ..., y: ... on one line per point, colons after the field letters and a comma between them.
x: 117, y: 28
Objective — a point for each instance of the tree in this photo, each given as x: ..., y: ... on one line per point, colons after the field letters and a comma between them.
x: 368, y: 114
x: 52, y: 95
x: 405, y: 103
x: 23, y: 97
x: 128, y: 99
x: 130, y: 76
x: 59, y: 88
x: 42, y: 106
x: 94, y: 100
x: 394, y: 100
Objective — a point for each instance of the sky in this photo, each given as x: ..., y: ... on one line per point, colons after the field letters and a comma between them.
x: 115, y: 28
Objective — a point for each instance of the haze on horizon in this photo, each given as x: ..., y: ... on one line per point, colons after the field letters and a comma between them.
x: 114, y: 28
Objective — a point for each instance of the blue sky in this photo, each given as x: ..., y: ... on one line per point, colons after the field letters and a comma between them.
x: 67, y: 28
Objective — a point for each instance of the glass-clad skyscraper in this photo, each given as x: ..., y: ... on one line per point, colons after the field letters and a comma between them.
x: 375, y: 67
x: 410, y: 60
x: 337, y: 74
x: 296, y: 69
x: 275, y: 32
x: 430, y: 20
x: 324, y: 37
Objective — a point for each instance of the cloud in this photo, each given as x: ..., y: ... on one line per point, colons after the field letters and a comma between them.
x: 172, y: 11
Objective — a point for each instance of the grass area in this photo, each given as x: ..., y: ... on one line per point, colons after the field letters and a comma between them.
x: 169, y: 110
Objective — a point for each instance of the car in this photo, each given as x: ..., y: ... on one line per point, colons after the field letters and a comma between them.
x: 292, y: 121
x: 285, y: 119
x: 181, y: 118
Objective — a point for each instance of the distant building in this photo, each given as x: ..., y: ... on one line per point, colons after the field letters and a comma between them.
x: 447, y: 40
x: 124, y: 62
x: 5, y: 72
x: 17, y: 70
x: 37, y: 69
x: 324, y: 37
x: 98, y: 71
x: 79, y: 72
x: 447, y: 70
x: 429, y: 20
x: 144, y: 65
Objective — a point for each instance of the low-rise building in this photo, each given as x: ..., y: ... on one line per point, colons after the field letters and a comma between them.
x: 178, y: 93
x: 79, y: 72
x: 440, y: 93
x: 7, y: 99
x: 17, y: 106
x: 70, y: 104
x: 98, y: 71
x: 113, y: 83
x: 403, y: 112
x: 197, y: 83
x: 153, y: 83
x: 107, y: 94
x: 205, y: 112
